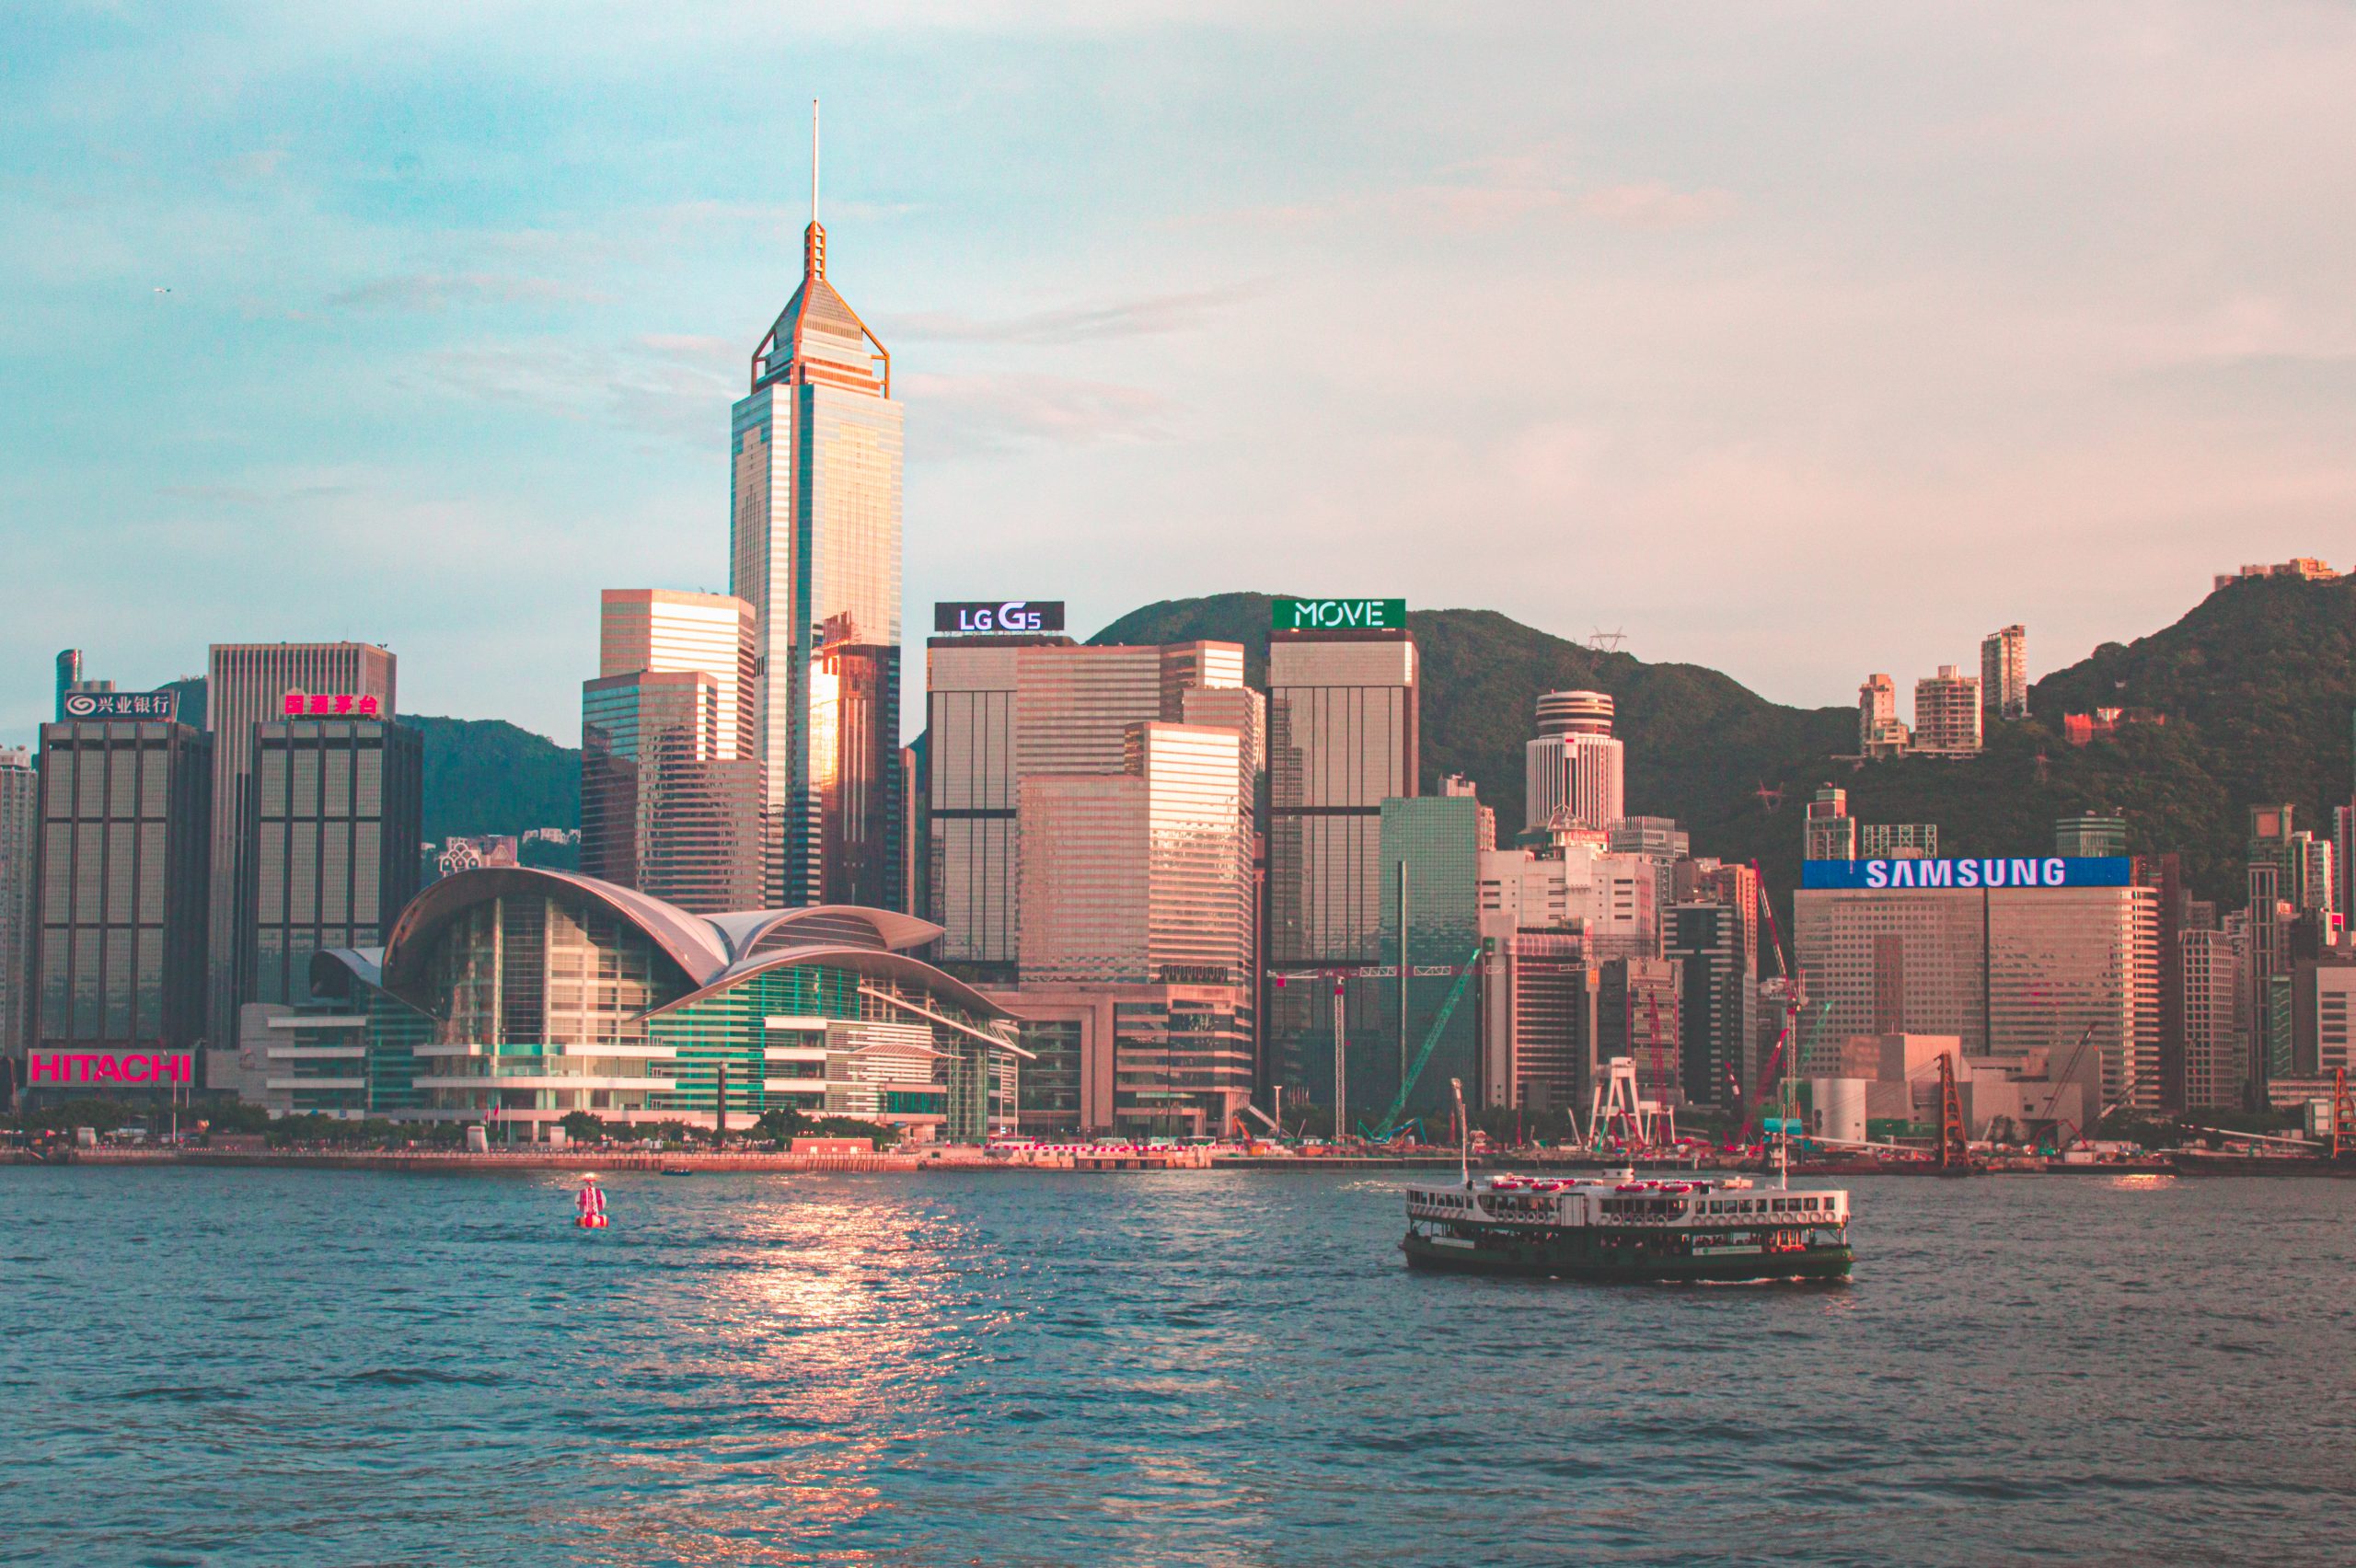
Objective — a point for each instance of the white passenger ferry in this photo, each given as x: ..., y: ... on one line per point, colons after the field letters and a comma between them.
x: 1617, y: 1227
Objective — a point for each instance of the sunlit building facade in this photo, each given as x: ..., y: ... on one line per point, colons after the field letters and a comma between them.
x: 1946, y: 713
x: 1343, y: 738
x: 518, y: 996
x: 1001, y: 709
x: 814, y: 549
x: 1141, y: 881
x: 2005, y: 971
x: 1574, y: 771
x: 671, y: 789
x: 2004, y: 673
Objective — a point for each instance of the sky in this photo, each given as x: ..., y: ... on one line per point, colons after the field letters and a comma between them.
x: 1798, y: 339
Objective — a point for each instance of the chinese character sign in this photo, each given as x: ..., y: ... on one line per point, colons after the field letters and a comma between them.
x: 331, y: 705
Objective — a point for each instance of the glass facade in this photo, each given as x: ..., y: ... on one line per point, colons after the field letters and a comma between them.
x: 814, y: 549
x: 660, y: 810
x: 246, y: 685
x: 1002, y: 710
x: 1342, y: 739
x: 1717, y: 998
x: 524, y: 995
x: 1437, y: 839
x: 122, y: 894
x: 332, y: 844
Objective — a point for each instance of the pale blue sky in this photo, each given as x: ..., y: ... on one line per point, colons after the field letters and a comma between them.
x: 1800, y: 340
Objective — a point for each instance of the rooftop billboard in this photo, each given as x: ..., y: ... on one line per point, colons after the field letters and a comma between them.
x: 2051, y: 871
x: 164, y: 704
x: 1340, y: 615
x: 998, y: 614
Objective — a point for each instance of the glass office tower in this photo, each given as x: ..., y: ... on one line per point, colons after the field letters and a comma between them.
x: 19, y: 842
x: 670, y: 785
x: 1342, y: 739
x: 814, y: 549
x: 1002, y: 709
x: 334, y: 813
x: 246, y: 684
x: 1435, y: 838
x: 125, y: 813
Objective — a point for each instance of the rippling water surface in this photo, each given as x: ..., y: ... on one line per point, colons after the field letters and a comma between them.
x: 1200, y: 1367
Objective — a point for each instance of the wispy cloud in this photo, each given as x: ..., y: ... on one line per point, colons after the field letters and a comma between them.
x: 1071, y: 323
x: 965, y: 416
x: 1651, y: 204
x: 439, y: 290
x: 1497, y: 193
x: 662, y: 385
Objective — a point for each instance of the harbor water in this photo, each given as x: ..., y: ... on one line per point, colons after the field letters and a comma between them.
x: 303, y: 1367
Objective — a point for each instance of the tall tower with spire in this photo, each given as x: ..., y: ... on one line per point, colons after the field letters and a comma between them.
x: 815, y: 548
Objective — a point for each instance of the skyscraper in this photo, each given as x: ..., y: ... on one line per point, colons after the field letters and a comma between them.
x: 814, y: 549
x: 20, y: 806
x: 1004, y: 706
x: 247, y: 684
x: 1135, y: 889
x: 1436, y: 839
x: 2004, y: 673
x: 1574, y: 769
x: 334, y: 821
x: 125, y: 809
x: 1342, y: 719
x: 670, y: 788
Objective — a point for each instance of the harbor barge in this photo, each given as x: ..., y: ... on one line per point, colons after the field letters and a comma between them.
x: 1618, y: 1230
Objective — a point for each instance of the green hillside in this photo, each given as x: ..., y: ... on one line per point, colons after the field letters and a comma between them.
x: 2256, y: 685
x: 485, y: 775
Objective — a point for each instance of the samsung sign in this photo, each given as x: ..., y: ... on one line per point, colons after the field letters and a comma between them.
x: 1000, y: 614
x: 2054, y: 870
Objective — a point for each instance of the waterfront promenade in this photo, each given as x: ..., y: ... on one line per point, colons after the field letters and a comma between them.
x: 1106, y: 1159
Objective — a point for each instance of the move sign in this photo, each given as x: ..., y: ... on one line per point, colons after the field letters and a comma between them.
x: 2051, y: 871
x: 998, y: 615
x: 130, y: 1069
x: 1340, y: 615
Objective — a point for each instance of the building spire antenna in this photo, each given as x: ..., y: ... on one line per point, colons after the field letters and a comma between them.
x: 814, y: 160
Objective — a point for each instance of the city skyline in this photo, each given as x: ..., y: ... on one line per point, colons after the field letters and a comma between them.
x: 1944, y: 308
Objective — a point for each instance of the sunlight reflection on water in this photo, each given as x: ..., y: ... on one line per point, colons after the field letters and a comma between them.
x: 1195, y: 1368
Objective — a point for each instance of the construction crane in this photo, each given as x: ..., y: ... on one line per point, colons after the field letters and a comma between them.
x: 1383, y: 1130
x: 1795, y: 1000
x: 2068, y: 1074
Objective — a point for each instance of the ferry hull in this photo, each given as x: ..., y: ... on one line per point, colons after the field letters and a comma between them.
x: 1539, y: 1259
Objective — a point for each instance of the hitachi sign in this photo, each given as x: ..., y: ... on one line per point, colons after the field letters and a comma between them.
x: 2051, y: 871
x: 46, y: 1070
x: 1340, y: 615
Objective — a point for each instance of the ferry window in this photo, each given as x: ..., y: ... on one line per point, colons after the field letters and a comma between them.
x: 1808, y: 1202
